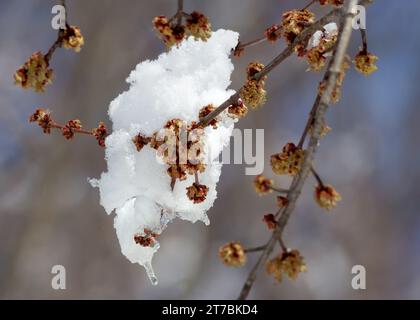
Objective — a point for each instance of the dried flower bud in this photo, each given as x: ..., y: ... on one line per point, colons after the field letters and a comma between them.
x: 68, y: 130
x: 170, y: 35
x: 263, y: 185
x: 43, y: 118
x: 198, y: 25
x: 237, y: 110
x: 316, y: 59
x: 290, y: 263
x: 175, y: 125
x: 73, y: 38
x: 293, y: 264
x: 293, y: 24
x: 205, y: 111
x: 193, y: 168
x: 177, y: 172
x: 336, y: 3
x: 295, y: 21
x: 270, y: 221
x: 253, y: 93
x: 282, y: 201
x: 365, y: 62
x: 100, y: 133
x: 232, y: 254
x: 288, y: 161
x: 34, y: 73
x: 274, y: 268
x: 146, y: 240
x: 273, y: 33
x: 140, y: 141
x: 326, y: 196
x: 321, y: 46
x: 252, y: 69
x: 197, y: 192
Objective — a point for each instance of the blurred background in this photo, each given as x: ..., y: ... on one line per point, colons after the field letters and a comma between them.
x: 50, y: 215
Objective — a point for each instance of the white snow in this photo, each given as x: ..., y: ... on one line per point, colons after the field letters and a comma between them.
x: 136, y: 186
x: 329, y: 31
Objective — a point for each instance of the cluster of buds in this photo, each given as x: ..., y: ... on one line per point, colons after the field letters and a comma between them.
x: 70, y: 128
x: 35, y: 73
x: 44, y: 120
x: 148, y: 239
x: 181, y: 147
x: 198, y: 26
x: 232, y: 254
x: 172, y: 32
x: 326, y: 196
x: 197, y: 192
x: 73, y: 38
x: 336, y: 3
x: 288, y: 161
x: 263, y: 185
x: 282, y: 201
x: 290, y: 263
x: 270, y: 221
x: 273, y: 33
x: 365, y: 62
x: 336, y: 93
x: 294, y: 22
x: 316, y: 56
x: 237, y: 110
x: 100, y: 133
x: 205, y: 111
x: 253, y: 92
x: 140, y: 141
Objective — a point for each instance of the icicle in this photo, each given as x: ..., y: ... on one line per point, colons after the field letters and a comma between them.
x: 151, y: 273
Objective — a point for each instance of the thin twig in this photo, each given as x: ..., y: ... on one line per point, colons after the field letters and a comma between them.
x: 243, y: 46
x: 82, y: 131
x: 309, y: 4
x: 317, y: 177
x: 253, y: 274
x: 364, y: 40
x: 282, y: 244
x: 279, y: 190
x: 255, y: 249
x: 180, y: 11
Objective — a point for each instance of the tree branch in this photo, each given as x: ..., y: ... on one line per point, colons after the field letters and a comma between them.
x: 302, y: 38
x: 320, y: 107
